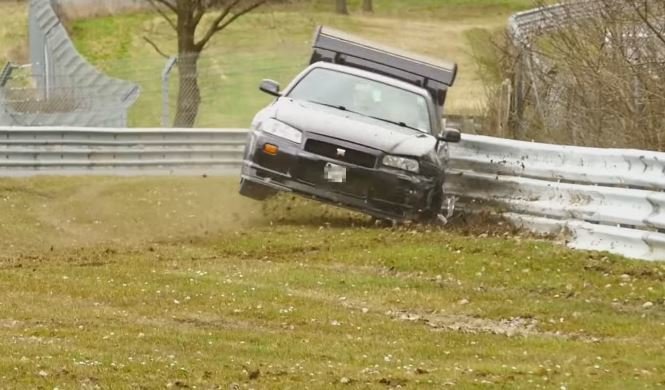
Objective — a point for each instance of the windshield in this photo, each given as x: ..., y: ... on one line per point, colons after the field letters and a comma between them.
x: 364, y: 96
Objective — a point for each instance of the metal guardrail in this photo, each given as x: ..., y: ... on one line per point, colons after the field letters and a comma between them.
x: 58, y: 151
x: 601, y: 199
x: 606, y: 199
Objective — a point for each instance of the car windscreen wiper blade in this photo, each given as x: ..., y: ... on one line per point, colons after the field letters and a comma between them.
x: 337, y: 106
x: 401, y: 124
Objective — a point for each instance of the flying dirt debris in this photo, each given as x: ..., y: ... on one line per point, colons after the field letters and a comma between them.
x: 360, y: 128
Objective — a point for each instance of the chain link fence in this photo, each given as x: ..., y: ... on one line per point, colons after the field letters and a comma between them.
x: 59, y: 87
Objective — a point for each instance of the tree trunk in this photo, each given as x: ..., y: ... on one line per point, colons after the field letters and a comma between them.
x: 189, y: 95
x: 342, y: 8
x: 368, y: 6
x: 189, y: 14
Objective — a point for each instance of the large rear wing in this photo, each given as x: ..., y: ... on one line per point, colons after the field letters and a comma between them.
x: 345, y: 49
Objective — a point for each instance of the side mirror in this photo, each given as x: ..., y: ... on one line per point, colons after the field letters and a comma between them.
x: 270, y: 87
x: 450, y: 134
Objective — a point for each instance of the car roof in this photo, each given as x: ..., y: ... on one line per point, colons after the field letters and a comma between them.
x: 369, y: 75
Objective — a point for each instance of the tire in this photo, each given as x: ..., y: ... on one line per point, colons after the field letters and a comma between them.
x: 382, y: 222
x: 430, y: 216
x: 255, y: 191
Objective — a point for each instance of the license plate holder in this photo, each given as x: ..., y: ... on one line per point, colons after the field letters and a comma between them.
x: 334, y: 173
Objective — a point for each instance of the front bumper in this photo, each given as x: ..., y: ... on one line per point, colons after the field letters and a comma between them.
x: 380, y: 192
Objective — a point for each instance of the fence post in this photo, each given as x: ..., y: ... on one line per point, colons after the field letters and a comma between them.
x: 505, y: 98
x: 165, y: 89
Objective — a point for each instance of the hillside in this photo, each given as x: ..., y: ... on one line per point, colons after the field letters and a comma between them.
x: 275, y: 43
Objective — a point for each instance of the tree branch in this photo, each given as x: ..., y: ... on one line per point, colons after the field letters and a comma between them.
x: 211, y: 30
x: 199, y: 11
x: 241, y: 13
x: 645, y: 18
x: 154, y: 5
x: 168, y: 4
x: 154, y: 46
x: 217, y: 24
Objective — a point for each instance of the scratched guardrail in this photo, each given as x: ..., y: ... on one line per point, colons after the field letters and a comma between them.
x: 604, y: 199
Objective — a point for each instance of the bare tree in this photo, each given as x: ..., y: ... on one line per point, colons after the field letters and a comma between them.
x: 597, y: 78
x: 188, y: 17
x: 341, y: 7
x: 368, y: 6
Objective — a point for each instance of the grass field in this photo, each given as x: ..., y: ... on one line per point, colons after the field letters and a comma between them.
x: 178, y: 282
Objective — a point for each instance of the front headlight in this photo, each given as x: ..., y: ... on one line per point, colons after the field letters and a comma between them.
x: 281, y: 130
x: 406, y: 164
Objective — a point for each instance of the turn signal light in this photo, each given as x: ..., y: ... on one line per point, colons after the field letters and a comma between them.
x: 270, y: 149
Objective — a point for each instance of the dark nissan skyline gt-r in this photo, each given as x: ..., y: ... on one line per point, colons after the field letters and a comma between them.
x: 360, y: 127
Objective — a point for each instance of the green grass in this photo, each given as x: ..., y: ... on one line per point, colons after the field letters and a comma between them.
x: 13, y: 33
x: 109, y: 38
x: 153, y: 282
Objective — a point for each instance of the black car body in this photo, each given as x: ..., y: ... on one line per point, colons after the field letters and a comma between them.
x: 360, y: 128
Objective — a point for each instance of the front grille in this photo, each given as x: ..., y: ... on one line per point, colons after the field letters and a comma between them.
x: 356, y: 184
x: 349, y: 155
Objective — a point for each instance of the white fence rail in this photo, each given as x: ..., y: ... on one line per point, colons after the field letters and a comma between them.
x: 601, y: 199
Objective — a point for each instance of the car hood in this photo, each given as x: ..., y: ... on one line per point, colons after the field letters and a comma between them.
x: 351, y: 127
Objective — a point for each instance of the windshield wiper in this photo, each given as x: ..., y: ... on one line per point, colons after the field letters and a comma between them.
x: 339, y: 107
x: 401, y: 124
x: 330, y: 105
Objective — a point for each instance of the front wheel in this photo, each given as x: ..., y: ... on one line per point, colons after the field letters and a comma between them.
x: 383, y: 222
x: 432, y: 215
x: 255, y: 191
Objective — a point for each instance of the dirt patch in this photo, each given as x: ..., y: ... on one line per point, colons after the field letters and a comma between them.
x: 511, y: 327
x: 8, y: 323
x: 117, y: 212
x: 210, y: 322
x: 289, y: 209
x: 483, y: 222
